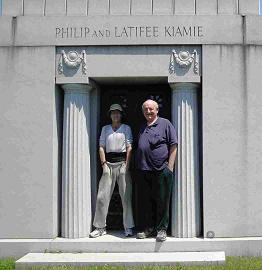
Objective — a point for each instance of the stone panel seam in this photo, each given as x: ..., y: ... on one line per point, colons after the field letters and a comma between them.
x: 152, y: 7
x: 245, y: 99
x: 14, y: 27
x: 44, y: 7
x: 23, y: 7
x: 244, y: 29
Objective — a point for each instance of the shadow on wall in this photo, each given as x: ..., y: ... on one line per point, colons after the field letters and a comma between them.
x: 0, y: 7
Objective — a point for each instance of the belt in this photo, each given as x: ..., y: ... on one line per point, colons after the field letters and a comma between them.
x: 114, y: 157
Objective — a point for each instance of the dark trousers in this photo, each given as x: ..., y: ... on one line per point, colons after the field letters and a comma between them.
x: 154, y: 190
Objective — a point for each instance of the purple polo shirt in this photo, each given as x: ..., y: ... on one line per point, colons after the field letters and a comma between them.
x: 154, y: 142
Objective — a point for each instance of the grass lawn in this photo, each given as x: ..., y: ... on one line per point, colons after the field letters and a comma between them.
x: 233, y: 263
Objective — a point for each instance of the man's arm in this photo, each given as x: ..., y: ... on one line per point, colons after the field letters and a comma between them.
x: 172, y: 157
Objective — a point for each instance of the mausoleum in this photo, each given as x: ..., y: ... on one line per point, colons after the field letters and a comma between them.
x: 63, y: 62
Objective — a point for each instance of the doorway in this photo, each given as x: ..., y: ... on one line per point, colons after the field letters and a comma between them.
x: 131, y: 98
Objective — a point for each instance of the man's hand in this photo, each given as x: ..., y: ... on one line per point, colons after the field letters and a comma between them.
x: 172, y: 157
x: 170, y: 168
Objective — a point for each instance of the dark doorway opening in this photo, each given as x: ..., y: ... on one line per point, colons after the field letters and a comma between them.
x: 131, y: 98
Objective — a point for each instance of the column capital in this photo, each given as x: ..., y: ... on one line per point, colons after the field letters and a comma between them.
x: 76, y: 88
x: 184, y: 86
x: 183, y: 79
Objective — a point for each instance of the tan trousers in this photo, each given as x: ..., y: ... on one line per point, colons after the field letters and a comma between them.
x: 112, y: 173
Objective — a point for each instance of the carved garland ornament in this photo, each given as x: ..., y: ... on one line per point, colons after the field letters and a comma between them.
x: 184, y: 59
x: 72, y: 59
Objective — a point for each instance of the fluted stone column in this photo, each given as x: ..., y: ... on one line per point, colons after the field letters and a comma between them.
x: 186, y: 214
x: 76, y: 177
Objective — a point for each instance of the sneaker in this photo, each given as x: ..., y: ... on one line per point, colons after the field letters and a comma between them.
x: 161, y: 236
x: 145, y: 234
x: 97, y: 232
x: 128, y: 232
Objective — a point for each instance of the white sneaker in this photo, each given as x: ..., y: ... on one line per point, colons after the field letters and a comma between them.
x: 97, y: 232
x: 128, y: 232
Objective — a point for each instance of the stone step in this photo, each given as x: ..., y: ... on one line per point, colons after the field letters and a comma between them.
x: 123, y: 259
x: 116, y: 242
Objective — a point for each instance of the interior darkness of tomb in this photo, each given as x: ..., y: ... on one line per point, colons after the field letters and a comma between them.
x: 131, y: 98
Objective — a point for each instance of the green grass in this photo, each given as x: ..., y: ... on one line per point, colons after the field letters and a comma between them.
x: 232, y: 263
x: 7, y: 264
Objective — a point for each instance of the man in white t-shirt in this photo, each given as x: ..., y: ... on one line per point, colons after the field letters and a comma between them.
x: 115, y: 146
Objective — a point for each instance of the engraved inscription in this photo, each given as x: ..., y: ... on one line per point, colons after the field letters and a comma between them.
x: 130, y: 32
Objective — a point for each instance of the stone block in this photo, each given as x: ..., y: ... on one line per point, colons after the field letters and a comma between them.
x: 249, y: 7
x: 185, y: 7
x: 206, y: 7
x: 6, y: 30
x: 77, y: 7
x: 114, y: 242
x: 12, y: 7
x: 70, y: 31
x: 253, y: 102
x: 120, y: 7
x: 163, y: 7
x: 253, y: 30
x: 224, y: 142
x: 141, y: 7
x: 34, y: 7
x: 98, y: 7
x: 124, y: 259
x: 227, y: 6
x: 54, y: 8
x: 28, y: 194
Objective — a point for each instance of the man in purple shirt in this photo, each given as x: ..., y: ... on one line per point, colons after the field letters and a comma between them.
x: 155, y: 159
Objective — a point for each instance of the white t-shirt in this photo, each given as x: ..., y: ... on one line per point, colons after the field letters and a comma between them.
x: 116, y: 141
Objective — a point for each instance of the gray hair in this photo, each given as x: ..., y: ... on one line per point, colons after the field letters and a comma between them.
x: 152, y: 101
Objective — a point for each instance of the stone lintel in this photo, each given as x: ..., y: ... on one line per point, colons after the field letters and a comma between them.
x: 113, y: 30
